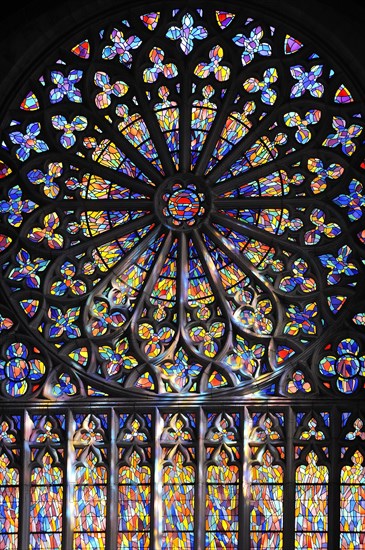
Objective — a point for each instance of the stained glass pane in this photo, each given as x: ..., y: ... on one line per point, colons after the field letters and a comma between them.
x: 134, y: 510
x: 222, y: 500
x: 9, y: 500
x: 89, y: 541
x: 355, y: 541
x: 139, y: 541
x: 45, y: 541
x: 9, y: 540
x: 10, y: 507
x: 46, y: 500
x: 178, y: 503
x: 311, y: 505
x: 352, y: 503
x: 89, y: 501
x: 266, y: 514
x: 266, y: 541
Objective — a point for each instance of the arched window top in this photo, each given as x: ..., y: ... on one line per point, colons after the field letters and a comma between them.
x: 182, y: 212
x: 312, y: 472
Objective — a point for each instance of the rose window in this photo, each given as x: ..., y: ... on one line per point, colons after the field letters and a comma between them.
x: 182, y: 211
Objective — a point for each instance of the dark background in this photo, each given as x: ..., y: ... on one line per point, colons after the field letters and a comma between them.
x: 25, y: 25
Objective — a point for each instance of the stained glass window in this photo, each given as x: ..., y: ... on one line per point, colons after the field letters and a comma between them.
x: 47, y: 481
x: 182, y: 348
x: 46, y: 505
x: 352, y: 503
x: 9, y: 483
x: 90, y: 485
x: 266, y: 518
x: 311, y: 504
x: 135, y: 478
x: 222, y: 501
x: 178, y: 481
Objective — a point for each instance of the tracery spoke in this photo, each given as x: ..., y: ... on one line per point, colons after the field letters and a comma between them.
x: 55, y: 230
x: 223, y: 243
x: 105, y: 204
x: 248, y: 184
x: 117, y: 134
x: 283, y: 171
x: 264, y: 249
x: 267, y: 233
x: 254, y: 307
x: 76, y: 175
x: 106, y: 258
x: 227, y: 106
x: 208, y: 330
x: 267, y: 141
x: 148, y: 301
x: 123, y: 290
x: 228, y: 204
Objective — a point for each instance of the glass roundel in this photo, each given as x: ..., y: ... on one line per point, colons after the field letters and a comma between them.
x: 181, y: 207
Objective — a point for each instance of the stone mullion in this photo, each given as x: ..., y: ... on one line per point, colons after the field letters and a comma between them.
x: 334, y: 480
x: 24, y: 495
x: 200, y: 483
x: 69, y: 483
x: 112, y: 501
x: 156, y: 511
x: 245, y: 484
x: 289, y: 482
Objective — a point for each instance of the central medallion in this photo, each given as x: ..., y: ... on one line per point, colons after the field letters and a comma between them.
x: 182, y: 202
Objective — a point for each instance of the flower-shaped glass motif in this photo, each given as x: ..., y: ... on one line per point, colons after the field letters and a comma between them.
x: 343, y: 136
x: 319, y: 182
x: 28, y: 142
x: 68, y: 282
x: 173, y: 224
x: 27, y: 269
x: 354, y: 201
x: 252, y: 45
x: 303, y: 134
x: 299, y: 279
x: 306, y: 81
x: 65, y: 86
x: 103, y: 98
x: 160, y: 68
x: 301, y: 320
x: 121, y: 47
x: 268, y: 94
x: 47, y: 179
x: 347, y: 366
x: 48, y: 233
x: 221, y: 72
x: 116, y: 358
x: 18, y: 371
x: 104, y: 319
x: 330, y: 230
x: 64, y: 386
x: 338, y: 265
x: 187, y: 33
x: 180, y: 373
x: 63, y: 322
x: 15, y: 206
x: 77, y: 124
